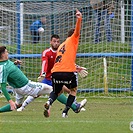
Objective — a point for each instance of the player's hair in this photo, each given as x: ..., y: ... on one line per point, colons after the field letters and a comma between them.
x: 55, y: 36
x: 2, y: 50
x: 70, y: 32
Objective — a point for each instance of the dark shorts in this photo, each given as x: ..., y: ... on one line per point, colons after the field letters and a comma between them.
x: 69, y: 79
x: 35, y: 36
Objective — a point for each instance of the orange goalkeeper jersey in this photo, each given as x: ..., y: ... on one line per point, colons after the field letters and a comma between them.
x: 66, y: 53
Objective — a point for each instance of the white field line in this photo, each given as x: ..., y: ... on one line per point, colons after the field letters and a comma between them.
x: 60, y: 121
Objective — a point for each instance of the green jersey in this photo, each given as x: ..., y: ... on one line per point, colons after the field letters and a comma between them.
x: 10, y: 73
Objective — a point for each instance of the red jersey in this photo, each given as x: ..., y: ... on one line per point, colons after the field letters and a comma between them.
x: 48, y: 59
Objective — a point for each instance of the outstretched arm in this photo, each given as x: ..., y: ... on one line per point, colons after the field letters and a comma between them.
x: 44, y: 67
x: 78, y: 23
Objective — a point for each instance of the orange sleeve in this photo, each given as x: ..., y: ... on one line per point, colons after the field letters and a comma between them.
x: 78, y: 27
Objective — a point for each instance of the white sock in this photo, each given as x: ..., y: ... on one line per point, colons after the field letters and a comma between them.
x: 28, y: 100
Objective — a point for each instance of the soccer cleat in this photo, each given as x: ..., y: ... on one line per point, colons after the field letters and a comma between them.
x: 20, y: 109
x: 83, y: 109
x: 80, y: 105
x: 46, y: 109
x: 64, y: 115
x: 46, y: 113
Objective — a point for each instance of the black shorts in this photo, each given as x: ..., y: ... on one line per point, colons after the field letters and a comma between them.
x: 35, y: 36
x: 69, y: 79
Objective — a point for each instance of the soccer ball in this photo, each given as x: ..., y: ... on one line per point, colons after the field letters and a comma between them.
x: 41, y: 30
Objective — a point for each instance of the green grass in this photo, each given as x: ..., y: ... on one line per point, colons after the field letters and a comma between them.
x: 102, y: 115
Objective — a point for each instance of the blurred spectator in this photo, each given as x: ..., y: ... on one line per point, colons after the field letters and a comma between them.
x: 36, y: 29
x: 102, y: 10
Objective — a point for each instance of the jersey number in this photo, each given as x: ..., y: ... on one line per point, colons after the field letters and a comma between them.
x: 59, y: 58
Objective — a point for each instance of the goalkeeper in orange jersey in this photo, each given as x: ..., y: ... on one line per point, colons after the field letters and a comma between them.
x: 48, y: 59
x: 64, y: 70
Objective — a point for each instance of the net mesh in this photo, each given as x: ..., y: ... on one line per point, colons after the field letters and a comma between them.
x: 60, y: 17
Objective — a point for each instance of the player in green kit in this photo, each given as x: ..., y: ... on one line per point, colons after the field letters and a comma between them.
x: 11, y: 74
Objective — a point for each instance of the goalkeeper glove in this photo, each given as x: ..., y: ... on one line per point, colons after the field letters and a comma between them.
x: 41, y: 77
x: 83, y: 73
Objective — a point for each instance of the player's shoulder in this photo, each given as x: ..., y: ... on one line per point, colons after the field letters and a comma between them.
x: 9, y: 66
x: 6, y: 62
x: 36, y: 22
x: 46, y: 51
x: 72, y: 39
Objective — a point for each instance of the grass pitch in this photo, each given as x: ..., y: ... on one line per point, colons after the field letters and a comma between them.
x: 102, y: 115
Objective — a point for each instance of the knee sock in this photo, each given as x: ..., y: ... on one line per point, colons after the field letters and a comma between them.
x: 28, y: 100
x: 70, y: 100
x: 5, y: 108
x: 52, y: 97
x: 63, y: 99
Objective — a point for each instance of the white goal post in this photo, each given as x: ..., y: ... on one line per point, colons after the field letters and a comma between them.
x: 105, y: 76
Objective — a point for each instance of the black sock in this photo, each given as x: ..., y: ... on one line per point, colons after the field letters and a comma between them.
x: 52, y: 97
x: 70, y: 100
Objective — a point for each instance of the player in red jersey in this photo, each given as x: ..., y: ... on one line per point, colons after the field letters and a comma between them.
x: 48, y: 59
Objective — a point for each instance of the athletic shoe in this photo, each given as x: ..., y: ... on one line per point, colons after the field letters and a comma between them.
x: 47, y: 109
x: 83, y: 109
x: 20, y: 109
x: 64, y: 115
x: 80, y: 105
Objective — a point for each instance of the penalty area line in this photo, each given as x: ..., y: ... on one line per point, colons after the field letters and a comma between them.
x: 57, y: 121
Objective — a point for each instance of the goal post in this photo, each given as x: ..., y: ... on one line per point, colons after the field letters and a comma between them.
x: 109, y: 62
x: 122, y: 22
x: 105, y: 76
x: 132, y: 41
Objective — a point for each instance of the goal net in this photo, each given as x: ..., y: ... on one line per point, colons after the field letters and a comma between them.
x: 105, y: 47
